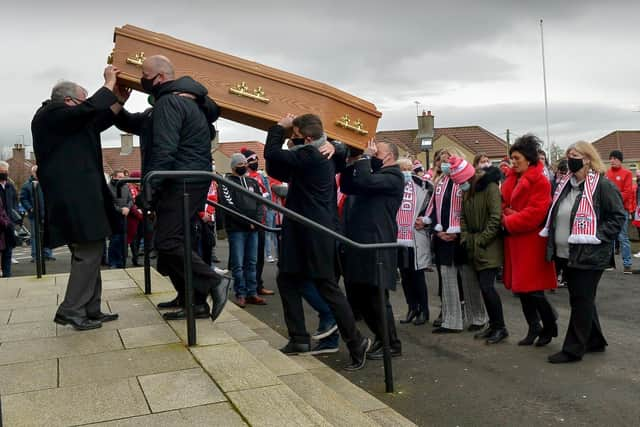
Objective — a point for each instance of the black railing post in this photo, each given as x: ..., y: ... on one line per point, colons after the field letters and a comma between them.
x: 188, y: 276
x: 386, y: 345
x: 35, y: 229
x: 147, y: 251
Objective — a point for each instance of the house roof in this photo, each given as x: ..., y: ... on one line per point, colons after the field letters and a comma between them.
x: 113, y: 160
x: 228, y: 148
x: 475, y: 138
x: 627, y: 141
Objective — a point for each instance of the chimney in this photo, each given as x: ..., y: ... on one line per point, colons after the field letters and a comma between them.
x: 424, y: 137
x: 18, y: 153
x: 126, y: 144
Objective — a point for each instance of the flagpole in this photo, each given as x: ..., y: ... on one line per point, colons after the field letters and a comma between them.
x: 544, y: 79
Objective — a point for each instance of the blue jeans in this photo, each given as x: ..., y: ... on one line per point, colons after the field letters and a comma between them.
x: 243, y: 256
x: 625, y: 246
x: 116, y: 255
x: 314, y: 299
x: 271, y: 243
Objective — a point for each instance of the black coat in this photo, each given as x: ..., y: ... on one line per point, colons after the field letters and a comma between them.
x: 370, y: 217
x: 78, y: 202
x: 176, y: 134
x: 611, y: 214
x: 312, y: 193
x: 240, y: 203
x: 10, y: 196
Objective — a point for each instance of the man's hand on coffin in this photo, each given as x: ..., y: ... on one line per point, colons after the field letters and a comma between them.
x: 371, y: 149
x: 110, y: 77
x: 327, y: 150
x: 287, y: 121
x: 122, y: 93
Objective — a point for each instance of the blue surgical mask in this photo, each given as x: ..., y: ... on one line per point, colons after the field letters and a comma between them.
x: 465, y: 186
x: 445, y: 168
x: 407, y: 176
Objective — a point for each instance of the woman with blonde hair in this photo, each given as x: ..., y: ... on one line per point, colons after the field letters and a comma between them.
x: 585, y: 218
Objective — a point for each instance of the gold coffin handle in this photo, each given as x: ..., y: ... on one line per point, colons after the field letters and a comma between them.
x: 357, y: 126
x: 241, y: 89
x: 136, y: 59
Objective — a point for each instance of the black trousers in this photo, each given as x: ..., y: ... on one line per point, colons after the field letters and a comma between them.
x: 492, y: 301
x: 260, y: 260
x: 584, y: 332
x: 369, y: 304
x: 169, y: 237
x: 536, y: 307
x: 290, y: 288
x: 414, y: 283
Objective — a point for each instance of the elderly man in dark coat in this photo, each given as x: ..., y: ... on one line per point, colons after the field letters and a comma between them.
x: 307, y: 255
x: 79, y: 205
x: 375, y: 185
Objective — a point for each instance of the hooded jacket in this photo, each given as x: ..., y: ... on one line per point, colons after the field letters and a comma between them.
x: 177, y: 133
x: 480, y: 221
x: 241, y: 203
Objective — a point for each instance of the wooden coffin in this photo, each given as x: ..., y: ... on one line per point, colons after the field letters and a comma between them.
x: 248, y: 92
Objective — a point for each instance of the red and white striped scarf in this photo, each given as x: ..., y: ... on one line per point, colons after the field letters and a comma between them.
x: 585, y: 223
x: 406, y: 214
x: 455, y: 209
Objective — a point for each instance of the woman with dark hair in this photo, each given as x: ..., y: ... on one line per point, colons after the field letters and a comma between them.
x: 586, y: 216
x: 526, y: 197
x: 482, y: 238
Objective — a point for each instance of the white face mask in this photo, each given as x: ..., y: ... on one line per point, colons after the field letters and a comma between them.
x: 484, y: 165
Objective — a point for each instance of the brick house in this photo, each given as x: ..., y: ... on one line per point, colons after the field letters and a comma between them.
x: 627, y: 141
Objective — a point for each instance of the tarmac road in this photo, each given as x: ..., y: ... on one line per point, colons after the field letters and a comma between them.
x: 454, y: 380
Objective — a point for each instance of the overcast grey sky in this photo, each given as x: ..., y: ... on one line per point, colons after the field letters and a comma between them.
x: 470, y: 62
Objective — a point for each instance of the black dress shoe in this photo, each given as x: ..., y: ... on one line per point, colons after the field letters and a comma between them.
x: 219, y: 297
x: 475, y: 328
x: 443, y: 330
x: 174, y: 303
x: 562, y: 357
x: 438, y: 322
x: 293, y: 348
x: 421, y: 318
x: 199, y: 312
x: 377, y: 351
x: 79, y: 324
x: 411, y: 314
x: 104, y: 317
x: 484, y: 333
x: 546, y: 335
x: 359, y: 356
x: 497, y: 336
x: 532, y: 334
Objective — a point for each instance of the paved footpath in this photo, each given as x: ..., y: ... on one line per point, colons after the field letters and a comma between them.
x: 137, y: 371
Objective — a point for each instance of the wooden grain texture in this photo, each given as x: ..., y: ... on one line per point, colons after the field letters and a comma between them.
x: 218, y: 72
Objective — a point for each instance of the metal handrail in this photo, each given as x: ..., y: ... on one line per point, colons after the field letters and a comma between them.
x: 146, y: 183
x: 182, y: 176
x: 244, y: 217
x: 37, y: 231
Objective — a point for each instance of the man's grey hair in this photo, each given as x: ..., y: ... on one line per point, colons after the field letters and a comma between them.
x: 4, y: 165
x: 65, y: 89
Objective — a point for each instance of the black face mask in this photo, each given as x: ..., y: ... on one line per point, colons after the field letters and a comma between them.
x: 575, y: 164
x: 376, y: 164
x: 147, y: 84
x: 4, y: 176
x: 241, y: 170
x: 253, y: 166
x: 297, y: 141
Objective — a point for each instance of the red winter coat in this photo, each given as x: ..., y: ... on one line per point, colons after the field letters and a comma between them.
x: 525, y: 203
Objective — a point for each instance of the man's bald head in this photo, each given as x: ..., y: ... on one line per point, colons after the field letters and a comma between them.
x: 158, y: 66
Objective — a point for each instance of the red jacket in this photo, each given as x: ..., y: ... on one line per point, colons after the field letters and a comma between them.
x: 623, y: 179
x: 525, y: 203
x: 212, y: 196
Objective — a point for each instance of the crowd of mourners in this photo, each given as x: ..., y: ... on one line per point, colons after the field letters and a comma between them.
x: 469, y: 220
